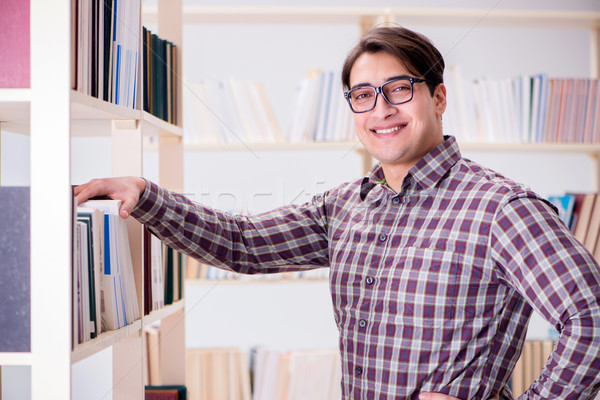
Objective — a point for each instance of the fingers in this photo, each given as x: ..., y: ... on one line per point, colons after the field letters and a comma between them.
x: 88, y: 190
x: 126, y: 208
x: 126, y: 189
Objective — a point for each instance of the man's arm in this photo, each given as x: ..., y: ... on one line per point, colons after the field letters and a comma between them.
x: 560, y: 279
x: 288, y: 238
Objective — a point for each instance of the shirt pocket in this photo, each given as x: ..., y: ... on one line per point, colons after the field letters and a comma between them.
x: 438, y: 288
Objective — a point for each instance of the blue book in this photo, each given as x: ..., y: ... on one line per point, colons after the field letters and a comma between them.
x: 565, y: 204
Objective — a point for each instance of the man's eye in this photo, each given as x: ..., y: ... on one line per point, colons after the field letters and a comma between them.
x: 401, y: 88
x: 361, y: 95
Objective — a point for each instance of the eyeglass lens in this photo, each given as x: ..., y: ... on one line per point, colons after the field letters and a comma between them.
x: 395, y: 92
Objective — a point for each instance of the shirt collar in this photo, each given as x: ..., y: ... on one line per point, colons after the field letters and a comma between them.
x: 426, y: 173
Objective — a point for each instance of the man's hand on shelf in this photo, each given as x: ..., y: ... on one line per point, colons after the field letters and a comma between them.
x: 126, y: 189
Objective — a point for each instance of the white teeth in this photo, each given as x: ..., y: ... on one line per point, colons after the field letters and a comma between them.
x: 397, y: 128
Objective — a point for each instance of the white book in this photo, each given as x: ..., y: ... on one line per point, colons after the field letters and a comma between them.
x: 200, y: 124
x: 157, y: 287
x: 230, y: 121
x: 304, y: 97
x: 115, y: 270
x: 85, y: 281
x: 96, y: 221
x: 256, y: 122
x: 526, y: 108
x: 324, y: 112
x: 121, y: 303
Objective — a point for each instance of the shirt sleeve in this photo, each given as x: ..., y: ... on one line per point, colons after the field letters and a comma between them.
x: 286, y: 239
x: 560, y: 279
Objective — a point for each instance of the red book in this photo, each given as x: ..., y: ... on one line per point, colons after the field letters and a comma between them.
x: 14, y: 44
x: 161, y: 394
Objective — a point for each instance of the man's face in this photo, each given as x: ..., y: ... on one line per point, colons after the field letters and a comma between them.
x: 397, y: 135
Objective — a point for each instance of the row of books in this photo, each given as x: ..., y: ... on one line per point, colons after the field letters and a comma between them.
x: 163, y: 274
x: 522, y: 109
x: 165, y: 392
x: 581, y: 213
x: 104, y: 289
x: 105, y: 49
x: 530, y: 364
x: 294, y: 375
x: 321, y: 111
x: 229, y: 111
x: 160, y: 76
x: 196, y: 270
x: 219, y: 373
x: 269, y: 374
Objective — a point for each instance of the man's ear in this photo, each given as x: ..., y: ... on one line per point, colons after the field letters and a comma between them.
x: 439, y: 99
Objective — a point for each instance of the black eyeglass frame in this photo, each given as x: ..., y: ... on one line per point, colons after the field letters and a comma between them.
x: 379, y: 90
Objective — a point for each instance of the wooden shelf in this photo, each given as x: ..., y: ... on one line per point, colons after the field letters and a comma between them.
x: 592, y: 149
x: 157, y: 315
x: 84, y: 107
x: 15, y: 359
x: 356, y: 146
x: 104, y: 340
x: 155, y: 126
x: 14, y: 104
x: 276, y: 146
x: 355, y: 15
x: 90, y: 116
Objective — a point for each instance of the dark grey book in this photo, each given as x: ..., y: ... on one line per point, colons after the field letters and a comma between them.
x: 15, y: 305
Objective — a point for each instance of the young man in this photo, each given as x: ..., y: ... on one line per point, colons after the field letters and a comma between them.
x: 435, y: 261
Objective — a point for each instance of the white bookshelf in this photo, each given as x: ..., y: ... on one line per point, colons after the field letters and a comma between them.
x: 51, y: 113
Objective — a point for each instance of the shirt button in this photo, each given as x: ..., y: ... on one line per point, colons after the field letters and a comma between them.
x: 396, y: 200
x: 370, y: 280
x: 358, y: 371
x: 362, y: 323
x: 382, y: 237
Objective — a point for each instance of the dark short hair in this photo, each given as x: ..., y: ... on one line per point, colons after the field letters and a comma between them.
x: 416, y: 52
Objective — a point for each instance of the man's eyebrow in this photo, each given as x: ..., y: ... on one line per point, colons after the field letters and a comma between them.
x: 363, y: 84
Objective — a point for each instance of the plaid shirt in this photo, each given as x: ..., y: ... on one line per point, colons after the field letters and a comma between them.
x: 432, y: 287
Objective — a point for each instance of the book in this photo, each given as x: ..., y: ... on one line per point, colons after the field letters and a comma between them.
x: 120, y: 296
x: 159, y: 76
x: 14, y: 44
x: 583, y: 217
x: 282, y: 375
x: 565, y: 204
x: 165, y: 392
x: 591, y: 237
x: 152, y: 334
x: 529, y: 366
x: 15, y: 302
x: 94, y: 225
x: 218, y: 373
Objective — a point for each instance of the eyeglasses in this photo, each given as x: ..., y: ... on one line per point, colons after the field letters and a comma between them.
x: 397, y: 91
